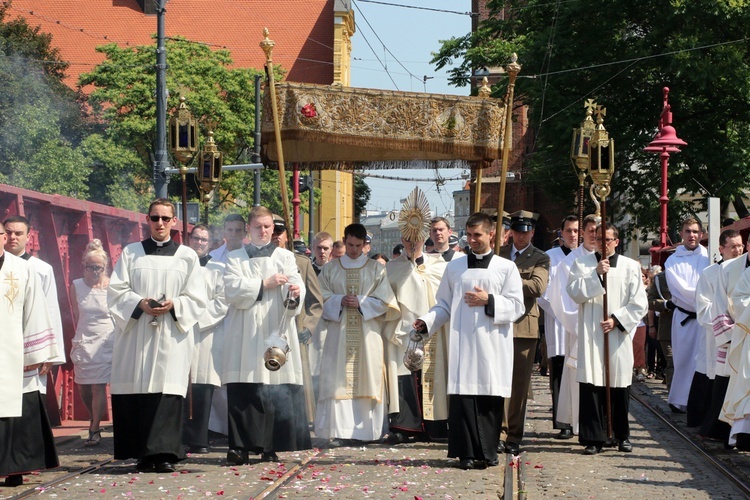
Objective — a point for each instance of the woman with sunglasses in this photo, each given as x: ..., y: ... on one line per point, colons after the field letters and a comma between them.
x: 92, y: 345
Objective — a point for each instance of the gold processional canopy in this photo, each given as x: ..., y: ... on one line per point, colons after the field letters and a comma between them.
x: 323, y: 125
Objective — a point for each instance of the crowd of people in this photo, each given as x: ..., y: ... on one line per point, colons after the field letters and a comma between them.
x: 259, y: 343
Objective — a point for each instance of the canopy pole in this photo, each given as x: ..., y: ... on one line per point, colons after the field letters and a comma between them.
x: 478, y: 187
x: 267, y: 45
x: 513, y: 69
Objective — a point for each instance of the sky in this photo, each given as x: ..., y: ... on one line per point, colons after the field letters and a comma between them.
x: 389, y: 38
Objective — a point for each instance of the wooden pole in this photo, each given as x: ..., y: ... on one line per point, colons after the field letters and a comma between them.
x: 267, y: 45
x: 605, y: 315
x: 513, y: 68
x: 478, y: 187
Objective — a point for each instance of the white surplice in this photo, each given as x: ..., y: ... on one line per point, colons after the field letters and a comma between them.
x: 252, y: 324
x: 554, y: 332
x: 566, y: 311
x: 705, y: 293
x: 682, y: 271
x: 736, y: 408
x: 724, y: 314
x: 626, y: 301
x: 352, y: 386
x: 32, y: 380
x: 209, y: 331
x: 480, y: 347
x: 27, y: 333
x: 154, y: 358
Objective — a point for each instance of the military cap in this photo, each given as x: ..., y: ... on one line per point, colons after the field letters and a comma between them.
x: 523, y: 221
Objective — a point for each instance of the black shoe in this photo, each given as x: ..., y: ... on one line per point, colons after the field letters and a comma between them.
x: 237, y: 457
x: 625, y: 446
x: 494, y: 462
x: 564, y: 434
x: 466, y: 464
x: 14, y: 480
x: 480, y: 464
x: 144, y: 465
x: 336, y: 443
x: 676, y: 410
x: 501, y: 446
x: 396, y: 438
x: 197, y: 450
x: 513, y: 448
x: 164, y: 467
x: 592, y: 450
x: 269, y: 456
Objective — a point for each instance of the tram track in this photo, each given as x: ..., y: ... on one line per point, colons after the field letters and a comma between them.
x: 38, y: 489
x: 715, y: 463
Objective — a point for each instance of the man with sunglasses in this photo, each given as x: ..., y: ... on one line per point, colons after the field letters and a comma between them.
x: 28, y: 343
x: 627, y: 304
x: 156, y: 296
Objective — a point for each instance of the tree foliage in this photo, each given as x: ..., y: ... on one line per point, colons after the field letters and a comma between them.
x: 621, y: 54
x: 41, y: 117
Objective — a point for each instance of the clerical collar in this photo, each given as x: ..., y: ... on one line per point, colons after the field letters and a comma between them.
x: 166, y: 248
x: 448, y: 255
x: 161, y: 243
x: 481, y: 256
x: 612, y: 259
x: 25, y: 256
x: 254, y: 250
x: 565, y: 250
x: 419, y: 260
x: 204, y: 260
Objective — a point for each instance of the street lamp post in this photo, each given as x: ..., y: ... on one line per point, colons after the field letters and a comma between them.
x: 665, y: 142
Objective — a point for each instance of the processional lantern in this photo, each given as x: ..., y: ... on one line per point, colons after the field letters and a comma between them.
x: 579, y: 156
x: 183, y: 133
x: 208, y: 171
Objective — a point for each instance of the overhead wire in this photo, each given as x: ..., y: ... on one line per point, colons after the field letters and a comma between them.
x: 546, y: 63
x: 472, y: 14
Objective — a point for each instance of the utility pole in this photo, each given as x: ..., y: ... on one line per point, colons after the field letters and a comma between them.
x: 161, y: 160
x: 256, y: 144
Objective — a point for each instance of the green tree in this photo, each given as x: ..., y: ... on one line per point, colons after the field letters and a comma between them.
x: 621, y: 54
x: 41, y: 117
x: 221, y: 97
x: 361, y: 195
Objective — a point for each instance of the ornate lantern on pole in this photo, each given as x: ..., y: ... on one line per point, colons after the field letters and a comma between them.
x: 579, y: 155
x: 183, y: 134
x: 208, y: 172
x: 602, y: 168
x: 665, y: 142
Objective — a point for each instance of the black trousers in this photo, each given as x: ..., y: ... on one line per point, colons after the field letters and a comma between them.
x: 699, y: 399
x: 195, y: 429
x: 593, y: 419
x: 712, y: 427
x: 266, y: 418
x: 474, y: 423
x: 26, y: 442
x: 148, y: 426
x: 409, y: 420
x: 556, y: 364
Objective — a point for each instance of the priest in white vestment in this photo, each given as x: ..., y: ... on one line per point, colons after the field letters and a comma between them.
x: 627, y: 304
x: 265, y: 292
x: 682, y: 270
x: 357, y: 301
x: 205, y: 368
x: 156, y: 296
x: 28, y: 342
x: 479, y: 297
x: 418, y: 406
x: 554, y: 332
x: 17, y: 228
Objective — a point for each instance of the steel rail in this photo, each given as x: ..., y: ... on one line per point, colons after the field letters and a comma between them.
x: 37, y: 490
x: 715, y: 462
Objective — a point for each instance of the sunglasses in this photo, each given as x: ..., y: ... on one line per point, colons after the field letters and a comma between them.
x: 95, y: 269
x: 164, y: 218
x: 199, y: 240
